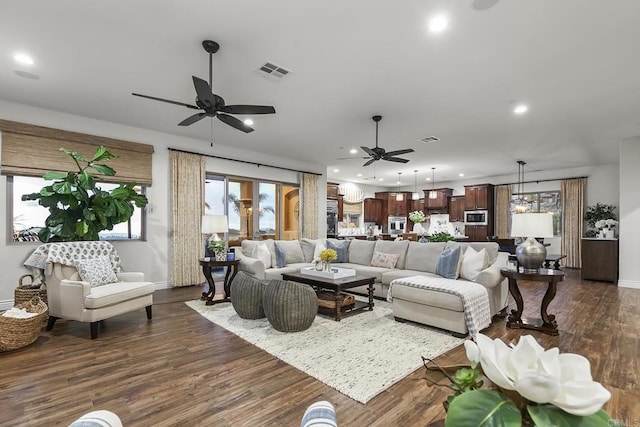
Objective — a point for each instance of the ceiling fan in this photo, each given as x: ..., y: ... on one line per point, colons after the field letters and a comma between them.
x: 213, y: 105
x: 379, y: 153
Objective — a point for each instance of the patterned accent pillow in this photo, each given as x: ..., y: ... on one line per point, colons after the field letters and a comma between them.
x: 97, y: 271
x: 320, y: 414
x: 341, y: 250
x: 449, y: 263
x: 380, y: 259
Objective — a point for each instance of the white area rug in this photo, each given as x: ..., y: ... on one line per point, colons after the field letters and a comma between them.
x: 360, y: 356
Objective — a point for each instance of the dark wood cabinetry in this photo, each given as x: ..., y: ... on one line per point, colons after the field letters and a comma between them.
x: 441, y: 203
x: 396, y: 207
x: 600, y: 260
x: 417, y: 205
x: 456, y: 208
x: 477, y: 233
x: 373, y: 211
x: 478, y: 196
x: 332, y: 191
x: 340, y: 208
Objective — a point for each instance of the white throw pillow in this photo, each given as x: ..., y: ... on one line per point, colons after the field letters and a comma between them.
x: 473, y: 263
x: 316, y: 252
x: 261, y: 252
x: 97, y: 271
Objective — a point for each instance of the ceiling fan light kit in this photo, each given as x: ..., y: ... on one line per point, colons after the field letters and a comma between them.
x: 212, y: 105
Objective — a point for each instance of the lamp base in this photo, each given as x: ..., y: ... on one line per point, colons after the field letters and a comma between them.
x: 531, y: 255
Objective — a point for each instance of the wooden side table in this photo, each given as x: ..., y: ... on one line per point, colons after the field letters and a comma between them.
x: 548, y: 323
x: 232, y: 270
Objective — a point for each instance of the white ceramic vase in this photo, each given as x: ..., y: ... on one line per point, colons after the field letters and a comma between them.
x: 608, y: 234
x: 418, y: 229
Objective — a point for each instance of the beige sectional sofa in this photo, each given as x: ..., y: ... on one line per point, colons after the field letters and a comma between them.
x: 414, y: 259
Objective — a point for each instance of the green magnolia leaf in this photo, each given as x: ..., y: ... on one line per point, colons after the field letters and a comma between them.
x: 47, y: 191
x: 103, y: 169
x: 102, y: 155
x: 85, y: 179
x: 82, y: 228
x: 74, y: 154
x: 62, y: 187
x: 549, y: 415
x: 49, y: 176
x: 484, y: 408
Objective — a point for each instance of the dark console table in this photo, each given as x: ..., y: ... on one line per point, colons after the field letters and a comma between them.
x: 548, y: 323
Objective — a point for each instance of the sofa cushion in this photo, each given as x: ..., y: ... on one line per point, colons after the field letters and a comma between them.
x: 280, y: 256
x: 365, y: 270
x: 449, y: 263
x: 115, y: 293
x: 392, y: 247
x: 361, y: 251
x: 384, y: 260
x: 316, y: 252
x: 97, y: 271
x: 341, y: 249
x: 473, y: 262
x: 427, y: 297
x: 308, y: 246
x: 261, y: 252
x: 391, y: 275
x: 491, y: 247
x: 292, y: 251
x: 424, y: 256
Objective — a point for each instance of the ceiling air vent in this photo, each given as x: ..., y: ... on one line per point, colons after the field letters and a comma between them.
x: 272, y: 71
x: 429, y: 139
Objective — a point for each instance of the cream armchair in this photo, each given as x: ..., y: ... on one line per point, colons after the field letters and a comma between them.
x: 71, y: 298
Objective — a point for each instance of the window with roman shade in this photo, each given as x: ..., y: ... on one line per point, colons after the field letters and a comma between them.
x: 29, y: 150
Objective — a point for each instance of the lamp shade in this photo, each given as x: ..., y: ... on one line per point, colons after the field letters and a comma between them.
x: 532, y: 225
x: 214, y: 224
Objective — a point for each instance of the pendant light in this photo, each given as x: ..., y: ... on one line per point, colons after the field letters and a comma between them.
x: 521, y: 203
x: 433, y: 194
x: 415, y: 195
x: 399, y: 195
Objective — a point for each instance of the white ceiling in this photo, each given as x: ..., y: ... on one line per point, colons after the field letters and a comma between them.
x: 574, y: 62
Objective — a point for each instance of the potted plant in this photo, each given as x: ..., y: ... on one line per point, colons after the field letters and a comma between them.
x: 219, y: 249
x: 417, y: 217
x: 78, y: 208
x: 441, y: 236
x: 595, y: 213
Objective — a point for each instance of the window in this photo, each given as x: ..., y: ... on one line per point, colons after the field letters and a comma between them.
x: 255, y: 209
x: 29, y: 216
x: 542, y: 202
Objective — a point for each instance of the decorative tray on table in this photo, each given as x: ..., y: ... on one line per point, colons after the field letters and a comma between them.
x: 335, y: 273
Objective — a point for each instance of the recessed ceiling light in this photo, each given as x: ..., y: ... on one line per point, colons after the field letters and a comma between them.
x: 381, y: 179
x: 23, y: 58
x: 353, y: 151
x: 359, y: 174
x: 438, y: 23
x: 520, y: 109
x: 336, y: 170
x: 428, y: 179
x: 248, y: 122
x: 461, y: 174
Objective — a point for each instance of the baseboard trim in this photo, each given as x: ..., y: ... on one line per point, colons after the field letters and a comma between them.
x: 6, y: 304
x: 633, y: 284
x: 162, y: 285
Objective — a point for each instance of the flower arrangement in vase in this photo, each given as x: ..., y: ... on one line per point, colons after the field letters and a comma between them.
x: 326, y: 256
x: 606, y: 227
x: 531, y: 386
x: 418, y: 217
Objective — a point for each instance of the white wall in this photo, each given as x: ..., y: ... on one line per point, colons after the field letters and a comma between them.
x: 152, y: 256
x: 629, y: 250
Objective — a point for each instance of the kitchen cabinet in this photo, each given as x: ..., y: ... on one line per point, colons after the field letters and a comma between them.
x: 340, y: 207
x: 332, y: 191
x: 395, y: 207
x: 477, y: 233
x: 600, y: 260
x: 417, y: 205
x: 441, y: 203
x: 457, y: 205
x: 478, y: 196
x: 373, y: 211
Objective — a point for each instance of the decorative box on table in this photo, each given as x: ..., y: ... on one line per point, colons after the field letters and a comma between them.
x: 335, y: 273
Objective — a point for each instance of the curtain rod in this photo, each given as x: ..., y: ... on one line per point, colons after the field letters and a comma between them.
x: 243, y: 161
x: 543, y: 180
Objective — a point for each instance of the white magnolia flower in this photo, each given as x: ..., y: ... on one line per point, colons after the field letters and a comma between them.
x: 601, y: 223
x: 611, y: 223
x: 563, y: 380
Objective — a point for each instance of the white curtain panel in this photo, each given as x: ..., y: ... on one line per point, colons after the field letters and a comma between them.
x: 572, y: 193
x: 309, y: 211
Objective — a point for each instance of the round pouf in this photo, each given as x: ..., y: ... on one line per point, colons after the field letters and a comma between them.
x: 246, y: 296
x: 289, y: 306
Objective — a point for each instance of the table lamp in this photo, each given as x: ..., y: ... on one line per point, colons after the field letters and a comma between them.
x: 531, y: 253
x: 214, y: 224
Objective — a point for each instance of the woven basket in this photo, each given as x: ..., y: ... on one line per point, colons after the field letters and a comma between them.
x: 24, y: 292
x: 17, y: 333
x: 327, y: 299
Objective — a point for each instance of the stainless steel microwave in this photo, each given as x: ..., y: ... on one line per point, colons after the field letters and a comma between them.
x: 476, y: 217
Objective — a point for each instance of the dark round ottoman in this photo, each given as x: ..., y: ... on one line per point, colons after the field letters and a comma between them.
x: 289, y: 306
x: 246, y: 296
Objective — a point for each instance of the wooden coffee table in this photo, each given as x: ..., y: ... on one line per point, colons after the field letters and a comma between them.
x: 337, y: 286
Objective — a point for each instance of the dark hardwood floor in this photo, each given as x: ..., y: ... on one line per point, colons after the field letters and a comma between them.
x: 181, y: 370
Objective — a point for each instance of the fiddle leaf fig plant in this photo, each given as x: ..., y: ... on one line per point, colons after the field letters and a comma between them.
x: 78, y: 208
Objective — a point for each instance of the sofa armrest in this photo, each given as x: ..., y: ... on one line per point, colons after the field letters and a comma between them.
x: 490, y: 277
x: 130, y: 276
x: 252, y: 266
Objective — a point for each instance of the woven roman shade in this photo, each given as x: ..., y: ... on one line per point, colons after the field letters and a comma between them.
x: 30, y: 150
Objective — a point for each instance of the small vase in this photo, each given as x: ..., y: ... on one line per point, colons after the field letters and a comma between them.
x: 326, y: 266
x: 608, y: 234
x: 418, y: 229
x: 220, y: 255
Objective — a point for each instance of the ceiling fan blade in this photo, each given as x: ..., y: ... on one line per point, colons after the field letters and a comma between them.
x: 166, y: 100
x: 369, y: 162
x: 249, y: 109
x: 204, y: 92
x: 234, y: 122
x: 398, y: 152
x: 395, y: 159
x: 368, y: 150
x: 192, y: 119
